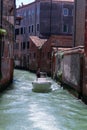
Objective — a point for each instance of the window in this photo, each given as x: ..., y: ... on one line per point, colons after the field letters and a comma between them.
x: 25, y: 13
x: 28, y: 45
x: 72, y: 12
x: 37, y: 27
x: 21, y: 30
x: 65, y: 28
x: 24, y: 45
x: 24, y: 30
x: 17, y: 31
x: 21, y: 45
x: 65, y: 12
x: 29, y: 29
x: 16, y: 46
x: 32, y: 28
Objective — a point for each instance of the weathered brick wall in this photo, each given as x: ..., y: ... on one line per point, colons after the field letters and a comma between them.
x: 7, y: 72
x: 85, y: 80
x: 53, y: 41
x: 46, y: 57
x: 61, y: 41
x: 85, y: 58
x: 33, y: 61
x: 85, y: 35
x: 7, y: 42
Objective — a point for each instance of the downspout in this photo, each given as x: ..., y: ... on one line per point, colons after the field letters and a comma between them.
x: 74, y: 35
x: 35, y: 17
x: 50, y: 17
x: 14, y: 25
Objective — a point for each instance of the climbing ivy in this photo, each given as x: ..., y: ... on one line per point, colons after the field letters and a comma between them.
x: 59, y: 75
x: 3, y: 32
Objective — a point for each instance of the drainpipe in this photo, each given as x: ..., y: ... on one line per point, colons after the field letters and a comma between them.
x: 74, y: 35
x: 14, y: 25
x: 1, y: 7
x: 50, y: 17
x: 35, y: 17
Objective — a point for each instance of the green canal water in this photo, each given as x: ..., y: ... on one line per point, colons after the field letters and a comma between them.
x: 22, y: 109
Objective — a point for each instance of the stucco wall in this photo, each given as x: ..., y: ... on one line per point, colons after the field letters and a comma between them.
x: 71, y: 69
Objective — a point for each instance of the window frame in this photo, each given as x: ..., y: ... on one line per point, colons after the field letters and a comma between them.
x: 65, y: 13
x: 66, y: 28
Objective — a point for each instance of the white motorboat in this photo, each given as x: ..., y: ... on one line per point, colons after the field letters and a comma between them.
x: 42, y: 84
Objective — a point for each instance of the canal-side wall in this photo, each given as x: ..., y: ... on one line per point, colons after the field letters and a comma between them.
x: 85, y: 80
x: 70, y: 69
x: 85, y: 58
x: 7, y: 73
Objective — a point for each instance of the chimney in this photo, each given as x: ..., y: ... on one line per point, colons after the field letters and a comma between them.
x: 22, y: 4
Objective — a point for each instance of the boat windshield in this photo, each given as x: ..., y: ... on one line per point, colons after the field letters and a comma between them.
x: 43, y: 74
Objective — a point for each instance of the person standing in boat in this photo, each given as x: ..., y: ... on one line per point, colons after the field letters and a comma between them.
x: 38, y: 73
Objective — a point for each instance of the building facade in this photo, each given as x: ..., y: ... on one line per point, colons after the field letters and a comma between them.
x: 35, y: 52
x: 84, y: 88
x: 80, y: 39
x: 55, y: 15
x: 41, y: 18
x: 7, y: 33
x: 79, y: 23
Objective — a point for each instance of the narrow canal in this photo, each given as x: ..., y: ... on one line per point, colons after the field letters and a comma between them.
x: 22, y: 109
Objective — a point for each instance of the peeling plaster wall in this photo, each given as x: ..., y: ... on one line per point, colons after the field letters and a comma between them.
x: 71, y: 69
